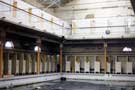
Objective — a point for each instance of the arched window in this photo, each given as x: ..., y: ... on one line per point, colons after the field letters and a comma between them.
x: 89, y: 16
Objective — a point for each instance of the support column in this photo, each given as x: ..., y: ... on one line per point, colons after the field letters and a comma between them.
x: 1, y: 59
x: 2, y: 38
x: 38, y: 55
x: 105, y: 58
x: 61, y: 49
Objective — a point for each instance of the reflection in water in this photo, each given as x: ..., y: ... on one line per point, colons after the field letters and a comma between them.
x: 70, y: 86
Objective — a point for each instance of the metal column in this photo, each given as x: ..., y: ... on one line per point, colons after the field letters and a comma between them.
x: 61, y: 47
x: 105, y: 58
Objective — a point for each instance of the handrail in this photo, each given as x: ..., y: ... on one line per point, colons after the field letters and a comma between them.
x: 101, y: 27
x: 26, y: 51
x: 31, y: 13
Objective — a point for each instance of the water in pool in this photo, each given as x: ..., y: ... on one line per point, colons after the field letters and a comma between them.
x: 70, y: 85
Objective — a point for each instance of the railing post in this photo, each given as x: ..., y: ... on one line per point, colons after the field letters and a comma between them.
x: 30, y: 14
x: 14, y: 8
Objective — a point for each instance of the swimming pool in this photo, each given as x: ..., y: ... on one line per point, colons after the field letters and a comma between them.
x: 70, y: 85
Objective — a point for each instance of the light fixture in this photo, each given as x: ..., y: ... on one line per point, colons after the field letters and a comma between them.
x: 36, y: 48
x: 107, y: 32
x: 9, y: 45
x: 127, y: 49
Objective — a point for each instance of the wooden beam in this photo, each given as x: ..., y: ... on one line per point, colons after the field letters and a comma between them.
x: 105, y: 58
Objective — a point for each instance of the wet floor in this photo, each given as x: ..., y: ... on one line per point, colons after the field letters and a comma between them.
x: 70, y: 86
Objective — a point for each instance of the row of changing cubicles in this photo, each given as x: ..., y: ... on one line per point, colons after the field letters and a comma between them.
x: 20, y: 63
x: 17, y: 63
x: 95, y: 64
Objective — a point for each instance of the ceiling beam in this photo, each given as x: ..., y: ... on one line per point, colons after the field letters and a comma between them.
x: 133, y: 4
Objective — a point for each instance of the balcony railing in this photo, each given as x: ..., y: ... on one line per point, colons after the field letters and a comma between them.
x: 27, y: 18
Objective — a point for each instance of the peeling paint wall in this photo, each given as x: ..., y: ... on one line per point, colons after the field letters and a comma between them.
x: 79, y: 9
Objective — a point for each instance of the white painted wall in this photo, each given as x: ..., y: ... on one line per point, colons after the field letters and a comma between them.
x: 78, y: 9
x: 113, y: 15
x: 96, y: 28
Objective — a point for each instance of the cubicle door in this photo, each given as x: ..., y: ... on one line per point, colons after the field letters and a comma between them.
x: 123, y: 60
x: 97, y: 67
x: 5, y: 61
x: 21, y: 58
x: 13, y: 58
x: 35, y: 66
x: 72, y: 59
x: 77, y: 63
x: 30, y: 66
x: 68, y: 65
x: 33, y: 56
x: 132, y: 60
x: 117, y: 67
x: 129, y: 69
x: 100, y: 58
x: 82, y: 63
x: 24, y: 66
x: 43, y: 58
x: 45, y: 63
x: 41, y: 66
x: 92, y: 60
x: 53, y: 63
x: 9, y: 66
x: 108, y: 67
x: 87, y: 64
x: 49, y: 63
x: 98, y: 64
x: 17, y: 66
x: 28, y: 63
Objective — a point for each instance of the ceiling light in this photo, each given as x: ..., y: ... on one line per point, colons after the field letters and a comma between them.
x: 37, y: 48
x: 127, y: 49
x: 9, y: 45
